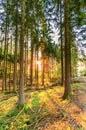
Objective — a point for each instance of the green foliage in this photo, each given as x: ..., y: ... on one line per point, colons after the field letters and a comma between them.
x: 1, y: 53
x: 4, y: 122
x: 64, y: 113
x: 35, y: 101
x: 13, y: 113
x: 26, y: 108
x: 82, y: 73
x: 4, y: 127
x: 20, y: 106
x: 10, y: 57
x: 70, y: 95
x: 77, y: 85
x: 80, y: 129
x: 35, y: 112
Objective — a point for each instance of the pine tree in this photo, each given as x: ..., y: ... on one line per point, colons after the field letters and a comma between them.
x: 22, y: 34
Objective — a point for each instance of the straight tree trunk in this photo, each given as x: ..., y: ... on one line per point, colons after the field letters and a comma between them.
x: 6, y: 71
x: 4, y: 85
x: 21, y: 83
x: 43, y: 68
x: 67, y: 51
x: 37, y: 72
x: 31, y: 66
x: 26, y: 60
x: 16, y: 45
x: 10, y: 69
x: 62, y: 69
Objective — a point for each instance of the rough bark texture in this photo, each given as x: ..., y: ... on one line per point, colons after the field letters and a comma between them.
x: 62, y: 65
x: 4, y: 85
x: 16, y: 44
x: 21, y: 84
x: 67, y: 51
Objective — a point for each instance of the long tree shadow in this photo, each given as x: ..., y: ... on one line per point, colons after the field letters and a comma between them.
x: 8, y: 95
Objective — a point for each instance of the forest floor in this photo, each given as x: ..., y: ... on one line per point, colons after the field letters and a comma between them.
x: 45, y: 110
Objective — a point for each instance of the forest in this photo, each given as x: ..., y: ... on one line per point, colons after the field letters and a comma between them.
x: 42, y: 65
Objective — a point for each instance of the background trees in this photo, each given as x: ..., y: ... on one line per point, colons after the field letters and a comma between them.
x: 30, y: 54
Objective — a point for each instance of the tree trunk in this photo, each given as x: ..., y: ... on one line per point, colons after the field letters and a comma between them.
x: 62, y: 69
x: 10, y: 69
x: 67, y: 51
x: 21, y: 83
x: 4, y: 85
x: 43, y: 68
x: 26, y: 60
x: 16, y: 45
x: 37, y: 72
x: 31, y: 66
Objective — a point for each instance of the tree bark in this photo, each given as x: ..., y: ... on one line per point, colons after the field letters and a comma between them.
x: 31, y: 65
x: 62, y: 65
x: 37, y: 72
x: 16, y: 45
x: 67, y: 50
x: 43, y: 68
x: 21, y: 83
x: 4, y: 85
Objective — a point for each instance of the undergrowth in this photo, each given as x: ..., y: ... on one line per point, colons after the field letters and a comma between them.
x: 40, y: 109
x: 27, y: 117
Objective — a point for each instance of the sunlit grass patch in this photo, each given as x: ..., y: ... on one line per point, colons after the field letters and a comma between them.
x: 77, y: 85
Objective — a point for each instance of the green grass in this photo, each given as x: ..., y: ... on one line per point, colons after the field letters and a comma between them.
x: 27, y: 117
x: 77, y: 85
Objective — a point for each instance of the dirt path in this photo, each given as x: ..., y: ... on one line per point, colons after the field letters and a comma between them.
x: 79, y: 97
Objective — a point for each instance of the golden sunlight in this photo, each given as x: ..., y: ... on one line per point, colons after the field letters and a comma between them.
x: 39, y: 64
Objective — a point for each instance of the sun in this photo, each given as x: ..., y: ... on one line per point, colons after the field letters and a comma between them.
x: 39, y: 64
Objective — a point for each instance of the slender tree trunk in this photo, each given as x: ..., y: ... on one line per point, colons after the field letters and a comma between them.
x: 35, y: 61
x: 10, y: 75
x: 4, y: 87
x: 31, y: 66
x: 37, y: 73
x: 1, y: 61
x: 6, y: 71
x: 26, y: 60
x: 21, y: 83
x: 67, y: 51
x: 62, y: 67
x: 43, y: 69
x: 16, y: 45
x: 49, y: 68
